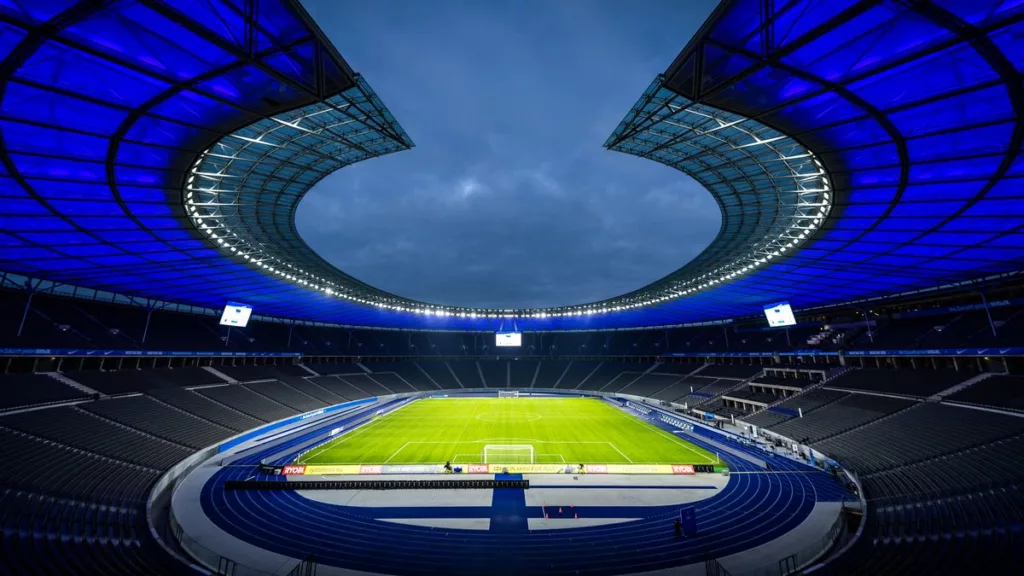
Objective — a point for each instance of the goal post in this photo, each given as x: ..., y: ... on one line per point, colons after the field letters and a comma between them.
x: 508, y: 393
x: 508, y: 454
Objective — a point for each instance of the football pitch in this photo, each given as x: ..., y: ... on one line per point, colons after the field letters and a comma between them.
x: 508, y: 430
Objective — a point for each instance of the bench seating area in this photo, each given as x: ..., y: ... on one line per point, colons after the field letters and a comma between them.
x: 153, y: 417
x: 392, y: 382
x: 194, y: 403
x: 367, y: 385
x: 467, y: 372
x: 996, y: 463
x: 285, y: 394
x: 244, y: 400
x: 408, y: 371
x: 269, y: 372
x: 575, y: 375
x: 339, y: 387
x: 22, y: 390
x: 71, y: 426
x: 846, y: 413
x: 766, y: 418
x: 733, y: 371
x: 307, y: 387
x: 651, y: 383
x: 127, y: 381
x: 43, y: 465
x: 495, y: 373
x: 439, y: 372
x: 521, y: 372
x: 905, y: 382
x: 925, y: 431
x: 997, y: 391
x: 549, y: 373
x: 327, y: 369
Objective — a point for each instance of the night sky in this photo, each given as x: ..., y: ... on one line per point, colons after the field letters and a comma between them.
x: 508, y: 199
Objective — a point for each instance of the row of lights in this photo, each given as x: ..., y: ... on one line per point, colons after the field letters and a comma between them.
x: 241, y: 248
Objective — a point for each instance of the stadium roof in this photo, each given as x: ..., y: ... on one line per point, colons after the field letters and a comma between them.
x: 857, y: 149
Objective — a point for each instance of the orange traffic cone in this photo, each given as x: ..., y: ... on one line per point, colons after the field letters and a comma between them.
x: 576, y: 516
x: 559, y: 509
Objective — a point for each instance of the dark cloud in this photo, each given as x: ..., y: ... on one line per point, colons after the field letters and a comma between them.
x: 508, y: 200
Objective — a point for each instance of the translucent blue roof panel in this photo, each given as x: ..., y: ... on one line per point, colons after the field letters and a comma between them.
x: 857, y: 149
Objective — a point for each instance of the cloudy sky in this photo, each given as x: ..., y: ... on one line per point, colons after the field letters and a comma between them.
x: 508, y: 199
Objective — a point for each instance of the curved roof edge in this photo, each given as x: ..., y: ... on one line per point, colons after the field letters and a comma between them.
x: 242, y: 193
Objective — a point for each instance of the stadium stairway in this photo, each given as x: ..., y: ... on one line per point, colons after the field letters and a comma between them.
x: 754, y: 508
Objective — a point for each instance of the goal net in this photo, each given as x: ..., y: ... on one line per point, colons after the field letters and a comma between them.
x: 508, y: 454
x: 508, y: 393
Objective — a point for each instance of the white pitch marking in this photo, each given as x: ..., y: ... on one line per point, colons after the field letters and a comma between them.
x: 396, y: 453
x: 616, y: 448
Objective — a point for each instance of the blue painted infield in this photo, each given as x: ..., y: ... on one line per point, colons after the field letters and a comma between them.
x: 508, y: 507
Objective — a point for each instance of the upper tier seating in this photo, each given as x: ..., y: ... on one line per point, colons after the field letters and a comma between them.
x: 270, y: 372
x: 792, y: 381
x: 673, y: 368
x: 746, y: 393
x: 195, y: 403
x: 575, y: 374
x: 736, y: 371
x: 307, y: 387
x: 406, y: 370
x: 439, y: 372
x: 925, y: 431
x: 685, y: 387
x: 996, y: 463
x: 650, y: 383
x: 150, y: 416
x: 368, y: 385
x: 612, y: 377
x: 522, y: 372
x: 907, y: 382
x: 59, y: 322
x: 339, y: 387
x: 1000, y: 391
x: 125, y: 381
x: 284, y: 394
x: 392, y: 382
x: 245, y: 400
x: 550, y: 372
x: 467, y: 372
x: 74, y: 427
x: 495, y: 373
x: 44, y: 466
x: 834, y: 418
x: 325, y: 369
x: 20, y: 390
x: 766, y: 418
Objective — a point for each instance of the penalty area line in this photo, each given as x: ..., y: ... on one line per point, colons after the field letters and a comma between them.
x: 621, y: 453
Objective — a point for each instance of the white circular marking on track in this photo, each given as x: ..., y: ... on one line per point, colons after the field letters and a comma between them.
x: 503, y: 418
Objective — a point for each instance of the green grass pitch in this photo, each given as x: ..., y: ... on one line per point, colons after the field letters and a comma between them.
x: 569, y: 430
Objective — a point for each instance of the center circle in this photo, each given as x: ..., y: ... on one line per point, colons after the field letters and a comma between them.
x: 502, y: 417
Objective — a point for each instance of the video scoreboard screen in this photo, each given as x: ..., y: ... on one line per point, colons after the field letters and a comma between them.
x: 779, y: 314
x: 511, y: 339
x: 236, y: 314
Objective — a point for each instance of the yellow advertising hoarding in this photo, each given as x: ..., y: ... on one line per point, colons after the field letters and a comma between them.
x: 332, y: 469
